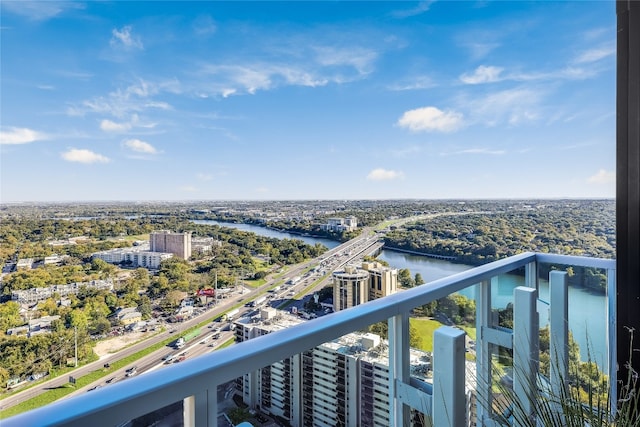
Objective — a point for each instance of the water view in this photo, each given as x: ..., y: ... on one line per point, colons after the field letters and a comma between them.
x: 587, y: 310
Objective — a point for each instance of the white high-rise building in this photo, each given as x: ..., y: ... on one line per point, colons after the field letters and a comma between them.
x: 342, y: 382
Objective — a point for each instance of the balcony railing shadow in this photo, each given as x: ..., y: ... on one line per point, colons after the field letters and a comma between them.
x: 448, y: 401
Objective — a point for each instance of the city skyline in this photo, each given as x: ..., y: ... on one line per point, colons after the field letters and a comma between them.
x: 142, y: 101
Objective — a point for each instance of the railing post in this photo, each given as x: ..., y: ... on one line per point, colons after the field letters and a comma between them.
x: 525, y: 354
x: 531, y: 275
x: 201, y: 409
x: 483, y: 351
x: 558, y: 336
x: 558, y: 333
x: 612, y: 328
x: 398, y: 368
x: 189, y: 411
x: 449, y: 402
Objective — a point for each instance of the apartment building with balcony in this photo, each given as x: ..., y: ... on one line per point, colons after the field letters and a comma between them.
x: 34, y: 295
x: 135, y: 256
x: 340, y: 382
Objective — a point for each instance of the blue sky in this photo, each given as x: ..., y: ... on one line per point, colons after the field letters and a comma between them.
x: 306, y: 100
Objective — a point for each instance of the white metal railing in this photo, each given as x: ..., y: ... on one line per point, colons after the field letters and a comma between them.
x: 195, y: 381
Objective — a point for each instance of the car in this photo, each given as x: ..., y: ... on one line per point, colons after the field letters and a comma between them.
x: 131, y: 371
x: 110, y: 380
x: 94, y: 388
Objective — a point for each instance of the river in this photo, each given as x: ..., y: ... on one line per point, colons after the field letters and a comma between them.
x: 587, y: 310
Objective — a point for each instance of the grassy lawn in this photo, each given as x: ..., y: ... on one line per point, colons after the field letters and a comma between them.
x: 255, y: 283
x: 132, y: 238
x: 426, y: 327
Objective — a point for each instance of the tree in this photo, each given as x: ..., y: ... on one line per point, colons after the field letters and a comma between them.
x: 238, y: 415
x: 419, y: 280
x: 405, y: 279
x: 10, y: 315
x: 382, y: 329
x: 4, y: 376
x: 144, y: 307
x: 78, y: 318
x: 141, y: 275
x: 101, y: 326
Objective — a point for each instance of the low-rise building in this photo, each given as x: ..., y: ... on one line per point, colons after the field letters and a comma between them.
x: 135, y: 257
x: 349, y: 223
x: 34, y: 295
x: 128, y: 315
x: 54, y: 259
x: 24, y: 264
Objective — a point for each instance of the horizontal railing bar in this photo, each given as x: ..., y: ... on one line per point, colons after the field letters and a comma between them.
x: 154, y: 390
x: 576, y: 261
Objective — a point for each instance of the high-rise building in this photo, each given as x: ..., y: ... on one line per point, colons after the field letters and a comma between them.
x: 383, y: 280
x: 353, y: 285
x: 342, y: 382
x: 350, y: 287
x: 178, y: 244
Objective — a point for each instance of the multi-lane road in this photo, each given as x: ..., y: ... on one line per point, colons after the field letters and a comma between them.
x: 328, y: 262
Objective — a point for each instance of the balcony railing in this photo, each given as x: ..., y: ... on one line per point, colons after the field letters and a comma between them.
x: 195, y: 381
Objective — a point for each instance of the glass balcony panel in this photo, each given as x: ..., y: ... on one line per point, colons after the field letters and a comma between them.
x: 329, y: 365
x: 171, y: 415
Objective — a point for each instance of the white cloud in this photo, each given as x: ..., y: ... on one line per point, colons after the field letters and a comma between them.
x: 361, y: 59
x: 124, y: 38
x: 41, y: 10
x: 205, y: 176
x: 513, y: 106
x: 139, y: 146
x: 262, y: 190
x: 482, y: 74
x: 109, y: 126
x: 84, y: 156
x: 421, y: 8
x: 204, y: 25
x: 479, y: 50
x: 122, y: 102
x: 418, y: 83
x: 188, y: 189
x: 15, y: 136
x: 228, y: 92
x: 602, y: 177
x: 596, y: 54
x: 431, y: 119
x: 327, y: 65
x: 381, y: 174
x: 251, y: 78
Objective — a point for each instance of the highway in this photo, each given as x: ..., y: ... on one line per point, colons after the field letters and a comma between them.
x: 329, y: 261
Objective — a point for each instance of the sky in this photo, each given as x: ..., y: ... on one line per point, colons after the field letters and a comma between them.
x: 159, y: 100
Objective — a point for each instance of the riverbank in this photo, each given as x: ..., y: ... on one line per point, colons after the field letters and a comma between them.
x: 408, y: 251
